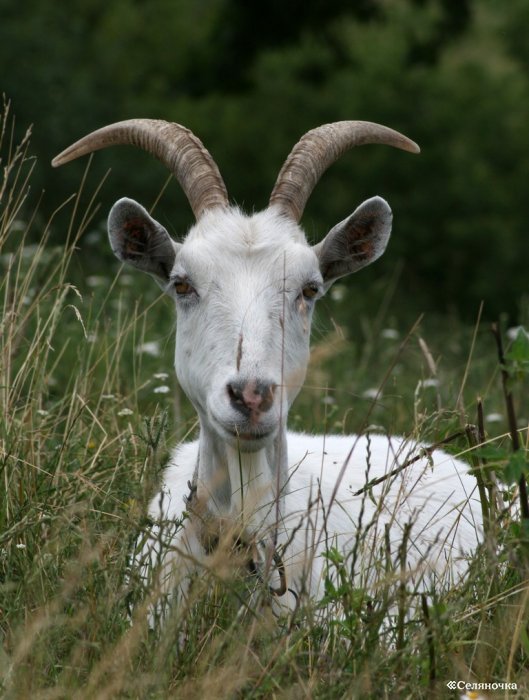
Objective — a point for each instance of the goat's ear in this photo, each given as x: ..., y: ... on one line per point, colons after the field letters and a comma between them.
x: 355, y: 242
x: 137, y: 239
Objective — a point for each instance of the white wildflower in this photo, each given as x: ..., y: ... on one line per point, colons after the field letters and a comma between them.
x: 151, y: 348
x: 493, y: 418
x: 338, y: 292
x: 512, y: 333
x: 125, y: 412
x: 95, y: 280
x: 126, y: 280
x: 371, y: 394
x: 374, y: 428
x: 390, y: 334
x: 18, y: 226
x: 428, y: 383
x: 161, y: 375
x: 117, y: 304
x: 29, y: 251
x: 163, y: 389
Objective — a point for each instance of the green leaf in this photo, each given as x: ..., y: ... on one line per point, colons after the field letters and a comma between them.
x: 334, y: 556
x: 330, y: 589
x: 491, y: 453
x: 519, y: 531
x: 515, y: 467
x: 518, y: 355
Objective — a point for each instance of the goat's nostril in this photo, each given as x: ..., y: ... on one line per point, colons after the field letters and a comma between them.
x: 267, y: 392
x: 236, y: 394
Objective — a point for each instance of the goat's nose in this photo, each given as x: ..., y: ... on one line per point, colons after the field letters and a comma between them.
x: 251, y: 397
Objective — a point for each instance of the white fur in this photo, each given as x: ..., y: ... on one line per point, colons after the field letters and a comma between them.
x: 247, y: 320
x: 436, y: 496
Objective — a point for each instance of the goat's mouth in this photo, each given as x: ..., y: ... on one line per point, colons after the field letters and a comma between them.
x: 246, y: 437
x: 250, y: 436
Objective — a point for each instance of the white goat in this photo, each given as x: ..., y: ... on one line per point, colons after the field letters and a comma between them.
x: 245, y: 288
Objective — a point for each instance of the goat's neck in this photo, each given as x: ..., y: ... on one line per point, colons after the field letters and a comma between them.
x: 248, y: 487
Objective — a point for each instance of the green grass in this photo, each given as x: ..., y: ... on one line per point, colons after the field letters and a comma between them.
x: 84, y: 433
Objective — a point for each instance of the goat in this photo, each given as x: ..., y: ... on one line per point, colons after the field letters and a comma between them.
x: 245, y: 287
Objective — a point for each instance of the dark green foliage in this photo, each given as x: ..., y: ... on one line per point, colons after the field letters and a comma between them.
x: 518, y: 356
x: 250, y: 78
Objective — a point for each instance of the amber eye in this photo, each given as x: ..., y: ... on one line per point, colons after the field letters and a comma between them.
x: 309, y: 291
x: 182, y: 287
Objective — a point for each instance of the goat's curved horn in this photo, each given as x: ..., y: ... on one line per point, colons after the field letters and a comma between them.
x: 174, y: 145
x: 320, y: 148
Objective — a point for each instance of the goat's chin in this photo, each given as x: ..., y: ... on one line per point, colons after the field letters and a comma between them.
x: 247, y: 443
x: 245, y: 437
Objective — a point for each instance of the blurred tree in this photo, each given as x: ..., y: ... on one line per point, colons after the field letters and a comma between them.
x: 453, y: 19
x: 250, y: 78
x: 246, y: 29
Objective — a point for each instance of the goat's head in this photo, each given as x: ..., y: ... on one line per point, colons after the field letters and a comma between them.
x: 244, y: 286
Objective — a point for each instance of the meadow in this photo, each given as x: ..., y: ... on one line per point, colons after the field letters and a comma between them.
x: 89, y: 411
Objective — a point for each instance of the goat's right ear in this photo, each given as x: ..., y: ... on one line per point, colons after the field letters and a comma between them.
x: 355, y: 242
x: 137, y: 239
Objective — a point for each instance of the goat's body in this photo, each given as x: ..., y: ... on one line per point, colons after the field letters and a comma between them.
x: 434, y: 496
x: 244, y: 288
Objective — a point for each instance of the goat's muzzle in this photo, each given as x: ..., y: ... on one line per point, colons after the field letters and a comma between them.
x: 252, y: 398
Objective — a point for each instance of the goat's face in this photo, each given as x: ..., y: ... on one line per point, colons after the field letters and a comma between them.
x: 245, y: 289
x: 244, y: 286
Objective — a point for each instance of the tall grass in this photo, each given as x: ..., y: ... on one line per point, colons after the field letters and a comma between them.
x: 84, y: 430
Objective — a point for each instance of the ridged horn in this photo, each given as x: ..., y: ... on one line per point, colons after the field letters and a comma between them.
x: 174, y: 145
x: 320, y: 148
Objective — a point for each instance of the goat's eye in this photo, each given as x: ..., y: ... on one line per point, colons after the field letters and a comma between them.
x: 309, y: 291
x: 182, y: 287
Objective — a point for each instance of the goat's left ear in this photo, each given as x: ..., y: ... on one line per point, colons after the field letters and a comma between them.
x: 355, y: 242
x: 137, y: 239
